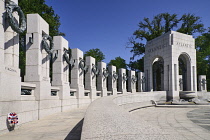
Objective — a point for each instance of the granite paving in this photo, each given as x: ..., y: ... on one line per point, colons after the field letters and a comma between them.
x: 191, y: 123
x: 65, y: 125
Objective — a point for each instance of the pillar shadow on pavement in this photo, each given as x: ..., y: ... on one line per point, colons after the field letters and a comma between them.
x: 75, y: 133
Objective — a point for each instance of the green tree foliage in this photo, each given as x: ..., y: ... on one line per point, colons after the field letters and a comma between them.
x: 203, y: 56
x: 96, y: 53
x: 118, y: 62
x: 137, y: 65
x: 191, y: 24
x: 45, y: 11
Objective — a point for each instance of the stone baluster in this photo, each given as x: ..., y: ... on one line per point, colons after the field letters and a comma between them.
x: 141, y: 82
x: 61, y: 73
x: 202, y: 84
x: 77, y: 77
x: 122, y: 81
x: 132, y: 79
x: 112, y: 79
x: 90, y: 77
x: 102, y: 78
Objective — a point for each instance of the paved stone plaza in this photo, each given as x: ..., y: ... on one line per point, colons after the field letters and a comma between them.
x: 59, y: 126
x: 44, y: 107
x: 185, y: 122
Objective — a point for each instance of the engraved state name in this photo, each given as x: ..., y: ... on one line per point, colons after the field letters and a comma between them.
x: 156, y: 48
x: 163, y: 46
x: 10, y: 69
x: 183, y: 44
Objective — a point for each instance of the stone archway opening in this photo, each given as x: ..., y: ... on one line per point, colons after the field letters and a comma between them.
x: 184, y: 71
x: 158, y: 74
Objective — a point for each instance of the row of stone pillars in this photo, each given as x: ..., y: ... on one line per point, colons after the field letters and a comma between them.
x: 43, y: 96
x: 80, y: 91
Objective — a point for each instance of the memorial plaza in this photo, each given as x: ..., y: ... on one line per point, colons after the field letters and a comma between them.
x: 89, y: 100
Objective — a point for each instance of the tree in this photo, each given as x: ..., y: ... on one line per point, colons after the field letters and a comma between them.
x: 191, y: 24
x: 96, y: 53
x: 203, y: 56
x: 118, y: 62
x: 45, y: 11
x: 137, y: 65
x: 160, y: 24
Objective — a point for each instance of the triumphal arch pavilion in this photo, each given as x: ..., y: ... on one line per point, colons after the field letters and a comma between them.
x: 170, y: 64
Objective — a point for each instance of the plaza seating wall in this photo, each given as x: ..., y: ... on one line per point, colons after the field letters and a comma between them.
x: 109, y: 117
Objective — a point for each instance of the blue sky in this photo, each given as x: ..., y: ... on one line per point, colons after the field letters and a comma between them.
x: 107, y: 24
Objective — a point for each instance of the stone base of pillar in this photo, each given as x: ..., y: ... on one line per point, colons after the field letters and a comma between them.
x: 104, y: 92
x: 82, y: 98
x: 172, y: 95
x: 114, y: 91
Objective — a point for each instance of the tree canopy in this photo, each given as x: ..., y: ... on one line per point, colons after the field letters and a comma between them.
x: 96, y: 53
x: 118, y: 62
x: 45, y: 11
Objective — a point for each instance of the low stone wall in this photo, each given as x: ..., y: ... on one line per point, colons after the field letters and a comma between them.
x: 106, y: 118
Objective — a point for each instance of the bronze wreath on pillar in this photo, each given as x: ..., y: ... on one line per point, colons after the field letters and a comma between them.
x: 143, y: 80
x: 95, y: 70
x: 13, y: 7
x: 67, y: 58
x: 124, y: 77
x: 82, y: 65
x: 115, y: 75
x: 134, y: 79
x: 49, y: 49
x: 105, y: 73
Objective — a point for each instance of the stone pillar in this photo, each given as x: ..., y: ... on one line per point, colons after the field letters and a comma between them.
x: 61, y: 74
x: 132, y: 81
x: 141, y: 82
x: 2, y: 21
x: 11, y: 47
x: 122, y: 81
x: 37, y: 60
x: 90, y: 77
x: 112, y: 79
x: 37, y: 65
x: 77, y: 78
x: 202, y: 86
x: 102, y: 79
x: 10, y: 81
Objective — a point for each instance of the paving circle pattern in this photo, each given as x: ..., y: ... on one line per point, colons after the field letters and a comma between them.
x: 201, y: 117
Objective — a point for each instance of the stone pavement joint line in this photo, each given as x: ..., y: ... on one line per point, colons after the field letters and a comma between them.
x: 177, y: 121
x: 66, y: 125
